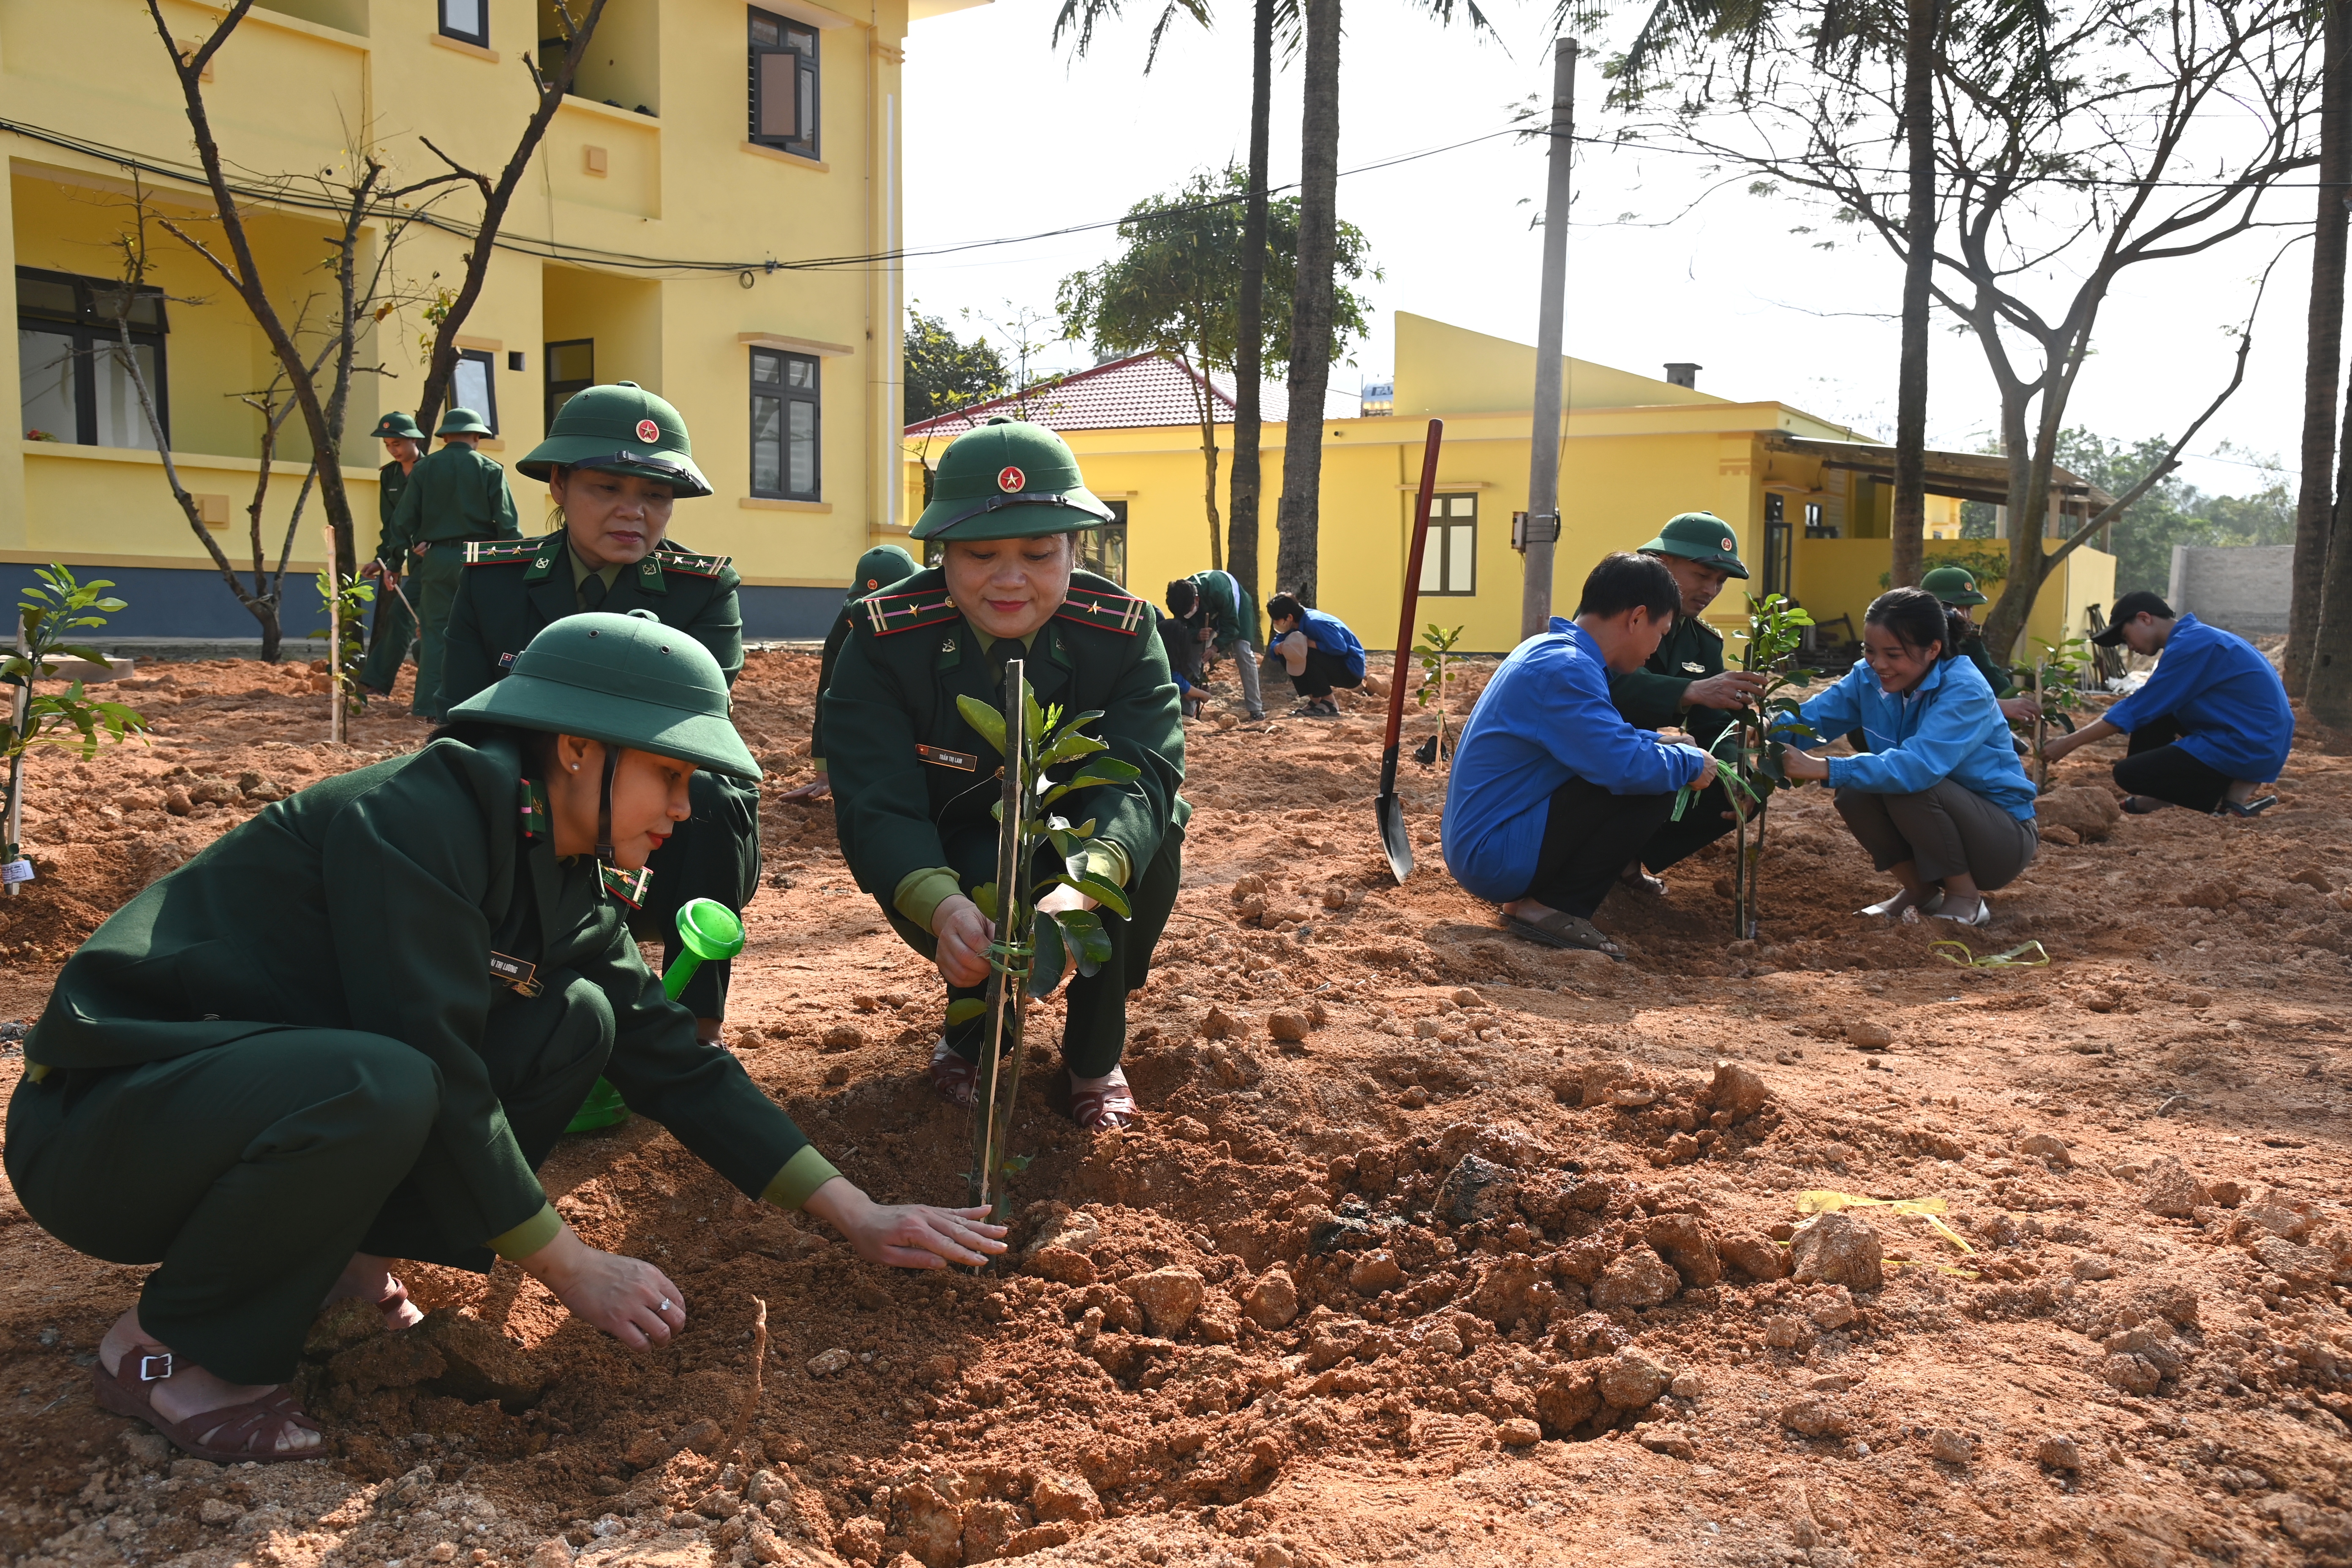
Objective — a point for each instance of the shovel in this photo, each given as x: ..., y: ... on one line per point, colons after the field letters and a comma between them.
x: 1392, y: 814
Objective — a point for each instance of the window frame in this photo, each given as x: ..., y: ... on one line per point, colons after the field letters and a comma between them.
x: 1089, y: 539
x: 807, y: 82
x: 480, y: 40
x: 1777, y: 544
x: 489, y: 361
x: 1438, y: 534
x: 548, y: 382
x: 781, y: 392
x: 91, y: 332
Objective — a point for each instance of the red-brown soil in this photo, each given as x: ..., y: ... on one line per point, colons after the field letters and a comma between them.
x: 1479, y: 1160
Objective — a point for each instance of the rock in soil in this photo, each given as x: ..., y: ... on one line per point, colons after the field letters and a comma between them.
x: 1839, y: 1248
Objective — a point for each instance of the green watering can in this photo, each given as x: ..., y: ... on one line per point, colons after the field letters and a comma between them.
x: 707, y: 931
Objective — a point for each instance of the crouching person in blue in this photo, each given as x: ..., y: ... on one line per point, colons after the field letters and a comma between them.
x: 1939, y: 800
x: 2210, y: 725
x: 1551, y: 787
x: 1318, y: 652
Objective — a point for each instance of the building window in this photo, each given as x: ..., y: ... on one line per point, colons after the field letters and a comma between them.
x: 1104, y: 549
x: 783, y: 84
x: 784, y: 425
x: 467, y: 21
x: 73, y: 385
x: 1776, y: 545
x: 1449, y: 562
x: 1817, y: 525
x: 571, y: 368
x: 474, y: 386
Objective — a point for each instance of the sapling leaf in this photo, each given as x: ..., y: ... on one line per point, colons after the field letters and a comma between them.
x: 1083, y: 929
x: 1068, y: 746
x: 985, y: 897
x: 1065, y: 844
x: 964, y: 1009
x: 1033, y: 718
x: 1103, y: 893
x: 985, y: 722
x: 1046, y: 969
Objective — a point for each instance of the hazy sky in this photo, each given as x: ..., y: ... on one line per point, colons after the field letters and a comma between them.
x: 1006, y: 135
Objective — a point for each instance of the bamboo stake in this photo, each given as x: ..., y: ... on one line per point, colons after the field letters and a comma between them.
x: 12, y: 824
x: 750, y: 1405
x: 334, y: 644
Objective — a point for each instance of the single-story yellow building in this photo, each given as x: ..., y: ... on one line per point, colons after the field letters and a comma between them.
x: 1809, y: 499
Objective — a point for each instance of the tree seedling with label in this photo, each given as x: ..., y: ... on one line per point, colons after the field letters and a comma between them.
x: 46, y: 617
x: 1033, y: 949
x: 2055, y: 682
x: 1435, y: 651
x: 1747, y: 754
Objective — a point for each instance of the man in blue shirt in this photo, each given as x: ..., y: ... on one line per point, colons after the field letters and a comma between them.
x: 1550, y: 784
x: 2210, y: 725
x: 1318, y: 652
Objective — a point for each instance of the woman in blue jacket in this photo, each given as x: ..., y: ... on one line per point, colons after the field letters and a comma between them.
x: 1939, y: 800
x: 1318, y: 652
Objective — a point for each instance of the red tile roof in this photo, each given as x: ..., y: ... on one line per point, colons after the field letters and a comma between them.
x: 1145, y: 389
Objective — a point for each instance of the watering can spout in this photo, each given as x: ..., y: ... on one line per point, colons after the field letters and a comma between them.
x: 710, y: 932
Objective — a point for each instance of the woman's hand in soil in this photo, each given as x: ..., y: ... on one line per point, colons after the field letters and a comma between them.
x: 627, y: 1298
x: 817, y: 788
x: 1804, y: 764
x: 964, y: 934
x: 911, y: 1235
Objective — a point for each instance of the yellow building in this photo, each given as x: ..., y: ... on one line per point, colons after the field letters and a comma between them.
x: 637, y: 249
x: 1809, y: 500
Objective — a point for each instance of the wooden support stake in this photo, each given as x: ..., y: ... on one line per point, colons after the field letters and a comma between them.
x: 752, y: 1396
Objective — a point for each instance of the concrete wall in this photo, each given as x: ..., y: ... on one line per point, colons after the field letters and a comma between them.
x: 2244, y: 588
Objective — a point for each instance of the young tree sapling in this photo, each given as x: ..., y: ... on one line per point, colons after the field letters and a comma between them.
x: 46, y: 617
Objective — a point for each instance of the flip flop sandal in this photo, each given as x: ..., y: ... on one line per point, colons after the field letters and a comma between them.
x: 2251, y: 807
x: 955, y: 1080
x: 1560, y: 930
x: 1983, y: 916
x: 1641, y: 881
x: 1894, y: 904
x: 231, y: 1435
x: 1101, y: 1110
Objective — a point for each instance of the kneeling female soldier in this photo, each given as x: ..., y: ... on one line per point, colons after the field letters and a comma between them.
x: 1940, y: 799
x: 240, y: 1075
x: 614, y: 461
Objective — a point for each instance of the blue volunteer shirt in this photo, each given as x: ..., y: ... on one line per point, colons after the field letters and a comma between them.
x: 1947, y: 727
x: 2220, y: 689
x: 1329, y: 634
x: 1544, y: 719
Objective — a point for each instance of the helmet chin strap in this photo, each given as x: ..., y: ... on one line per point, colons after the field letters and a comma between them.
x: 604, y: 805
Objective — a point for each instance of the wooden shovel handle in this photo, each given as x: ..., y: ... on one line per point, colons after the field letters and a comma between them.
x: 1412, y: 595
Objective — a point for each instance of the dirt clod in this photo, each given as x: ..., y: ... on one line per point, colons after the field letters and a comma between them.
x: 1169, y: 1298
x: 1840, y: 1248
x: 2059, y: 1451
x: 1272, y: 1299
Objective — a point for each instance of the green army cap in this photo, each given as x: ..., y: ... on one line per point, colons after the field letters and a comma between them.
x: 1009, y: 479
x: 396, y: 426
x: 877, y: 569
x: 627, y: 680
x: 1954, y: 585
x: 623, y: 429
x: 1699, y: 536
x: 463, y: 422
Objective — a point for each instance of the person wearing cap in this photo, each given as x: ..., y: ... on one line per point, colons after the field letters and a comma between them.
x: 2210, y: 725
x: 1956, y: 587
x: 455, y: 498
x: 1318, y: 651
x: 876, y: 570
x: 914, y: 785
x: 395, y: 628
x: 1215, y: 612
x: 1685, y: 685
x: 615, y: 460
x: 238, y: 1078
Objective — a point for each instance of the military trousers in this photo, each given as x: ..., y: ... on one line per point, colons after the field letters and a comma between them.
x: 251, y: 1172
x: 714, y: 854
x: 1094, y: 1031
x: 393, y: 633
x: 432, y: 582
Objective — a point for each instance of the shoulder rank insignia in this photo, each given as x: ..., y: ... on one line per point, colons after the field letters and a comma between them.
x: 629, y: 887
x: 1097, y: 607
x: 890, y: 613
x: 532, y: 801
x: 491, y: 552
x: 673, y: 559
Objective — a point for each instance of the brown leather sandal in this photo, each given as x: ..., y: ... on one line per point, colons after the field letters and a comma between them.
x: 1101, y: 1110
x: 955, y: 1080
x: 230, y: 1434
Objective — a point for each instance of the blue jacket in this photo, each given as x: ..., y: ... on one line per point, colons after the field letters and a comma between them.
x: 2224, y: 693
x: 1947, y: 727
x: 1331, y: 635
x: 1544, y: 719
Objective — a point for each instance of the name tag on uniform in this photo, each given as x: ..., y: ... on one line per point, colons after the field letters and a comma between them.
x: 506, y: 661
x: 940, y: 757
x: 1691, y: 669
x: 515, y: 972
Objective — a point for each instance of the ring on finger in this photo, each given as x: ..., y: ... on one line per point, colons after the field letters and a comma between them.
x: 662, y: 1305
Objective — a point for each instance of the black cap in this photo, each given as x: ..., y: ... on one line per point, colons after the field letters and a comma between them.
x: 2130, y: 605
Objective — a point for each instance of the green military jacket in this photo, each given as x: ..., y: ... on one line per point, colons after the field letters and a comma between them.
x: 1652, y: 695
x: 391, y: 484
x: 1972, y: 649
x: 453, y: 494
x: 1225, y: 608
x: 513, y: 591
x: 908, y: 774
x: 282, y: 922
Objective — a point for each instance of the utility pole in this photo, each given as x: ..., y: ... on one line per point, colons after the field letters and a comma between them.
x: 1542, y: 531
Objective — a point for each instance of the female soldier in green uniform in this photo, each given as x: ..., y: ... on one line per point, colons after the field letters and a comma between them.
x: 911, y: 790
x: 876, y: 570
x: 239, y: 1077
x: 395, y: 628
x: 613, y: 461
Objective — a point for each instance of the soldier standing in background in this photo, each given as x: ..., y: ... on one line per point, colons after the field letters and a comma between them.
x: 395, y: 628
x: 455, y: 498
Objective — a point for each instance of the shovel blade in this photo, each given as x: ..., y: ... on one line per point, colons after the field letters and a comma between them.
x: 1393, y: 837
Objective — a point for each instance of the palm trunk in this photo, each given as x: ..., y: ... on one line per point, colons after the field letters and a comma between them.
x: 2315, y: 499
x: 1910, y: 512
x: 1311, y: 308
x: 1249, y: 368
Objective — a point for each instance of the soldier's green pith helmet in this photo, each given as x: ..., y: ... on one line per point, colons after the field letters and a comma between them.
x: 1009, y: 479
x: 396, y: 426
x: 1954, y: 585
x: 877, y: 569
x: 462, y: 422
x: 1699, y: 536
x: 623, y: 429
x: 627, y: 680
